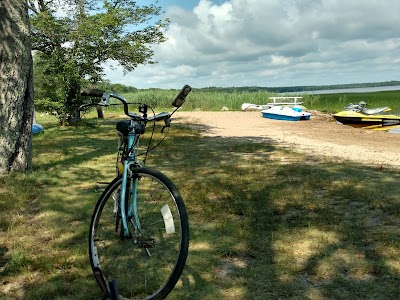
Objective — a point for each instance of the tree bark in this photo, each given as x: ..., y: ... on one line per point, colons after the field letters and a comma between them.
x: 72, y: 93
x: 100, y: 113
x: 16, y: 87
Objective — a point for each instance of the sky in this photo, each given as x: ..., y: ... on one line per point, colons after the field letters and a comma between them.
x: 270, y: 43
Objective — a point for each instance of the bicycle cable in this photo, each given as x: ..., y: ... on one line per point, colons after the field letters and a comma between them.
x: 151, y: 138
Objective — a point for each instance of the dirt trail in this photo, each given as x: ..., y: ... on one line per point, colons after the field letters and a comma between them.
x: 318, y: 136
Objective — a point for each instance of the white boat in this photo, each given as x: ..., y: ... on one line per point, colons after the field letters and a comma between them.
x: 274, y: 101
x: 286, y: 113
x: 251, y: 107
x: 286, y: 101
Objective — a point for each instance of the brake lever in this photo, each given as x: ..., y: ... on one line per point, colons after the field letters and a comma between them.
x: 91, y: 104
x: 167, y: 124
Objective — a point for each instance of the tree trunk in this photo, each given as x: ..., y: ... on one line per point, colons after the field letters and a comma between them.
x: 100, y: 113
x: 72, y: 90
x: 16, y: 87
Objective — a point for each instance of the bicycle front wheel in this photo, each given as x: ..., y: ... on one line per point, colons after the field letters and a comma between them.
x: 148, y: 263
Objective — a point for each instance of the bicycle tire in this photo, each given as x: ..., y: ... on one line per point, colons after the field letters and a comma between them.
x: 127, y: 260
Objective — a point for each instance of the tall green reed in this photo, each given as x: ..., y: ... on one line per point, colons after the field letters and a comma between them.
x: 214, y: 101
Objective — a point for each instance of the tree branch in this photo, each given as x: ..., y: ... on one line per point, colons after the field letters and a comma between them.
x: 32, y: 7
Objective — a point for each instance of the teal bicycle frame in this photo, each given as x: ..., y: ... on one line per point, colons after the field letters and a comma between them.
x: 136, y: 128
x: 125, y: 191
x: 132, y: 145
x: 131, y: 140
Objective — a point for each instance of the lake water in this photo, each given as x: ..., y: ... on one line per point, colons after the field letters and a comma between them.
x: 353, y: 90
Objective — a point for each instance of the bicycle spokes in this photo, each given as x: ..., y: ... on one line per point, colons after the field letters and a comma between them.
x: 150, y: 260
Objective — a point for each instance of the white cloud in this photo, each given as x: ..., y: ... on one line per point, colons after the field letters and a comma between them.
x: 275, y: 43
x: 279, y: 60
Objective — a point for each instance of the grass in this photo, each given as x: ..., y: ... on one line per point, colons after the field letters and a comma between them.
x: 266, y: 222
x: 336, y: 102
x: 214, y: 101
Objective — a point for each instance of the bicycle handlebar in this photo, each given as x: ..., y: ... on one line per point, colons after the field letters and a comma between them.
x: 159, y: 117
x: 92, y: 93
x: 105, y: 96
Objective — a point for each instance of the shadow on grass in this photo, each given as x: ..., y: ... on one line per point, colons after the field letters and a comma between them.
x: 270, y: 224
x: 325, y: 239
x: 265, y: 223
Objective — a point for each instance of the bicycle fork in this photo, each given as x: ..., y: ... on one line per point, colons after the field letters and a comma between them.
x: 132, y: 198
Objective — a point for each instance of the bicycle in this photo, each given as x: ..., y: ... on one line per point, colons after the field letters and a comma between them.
x: 139, y: 230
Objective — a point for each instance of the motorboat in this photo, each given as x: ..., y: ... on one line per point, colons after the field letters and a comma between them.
x: 286, y: 113
x: 359, y: 114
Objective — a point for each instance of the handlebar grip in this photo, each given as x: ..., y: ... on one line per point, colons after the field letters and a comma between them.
x: 180, y: 98
x: 92, y: 93
x: 158, y: 117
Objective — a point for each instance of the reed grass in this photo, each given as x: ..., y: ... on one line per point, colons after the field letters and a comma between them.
x: 335, y: 102
x: 215, y: 101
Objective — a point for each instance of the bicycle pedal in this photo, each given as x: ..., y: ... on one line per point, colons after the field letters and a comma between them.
x: 149, y: 243
x: 100, y: 186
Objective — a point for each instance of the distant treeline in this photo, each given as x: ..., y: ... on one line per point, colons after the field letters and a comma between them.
x: 122, y: 89
x: 118, y: 88
x: 300, y: 88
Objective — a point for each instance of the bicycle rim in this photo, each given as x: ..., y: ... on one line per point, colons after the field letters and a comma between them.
x: 148, y: 264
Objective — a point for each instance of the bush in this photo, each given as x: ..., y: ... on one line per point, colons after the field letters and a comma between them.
x: 48, y: 105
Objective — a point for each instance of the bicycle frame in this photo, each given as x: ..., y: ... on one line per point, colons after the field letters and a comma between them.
x: 135, y: 130
x: 132, y: 143
x: 120, y: 203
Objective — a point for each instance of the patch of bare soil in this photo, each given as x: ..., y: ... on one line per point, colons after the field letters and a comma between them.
x: 320, y: 136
